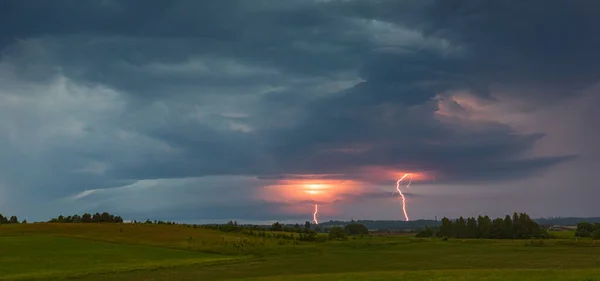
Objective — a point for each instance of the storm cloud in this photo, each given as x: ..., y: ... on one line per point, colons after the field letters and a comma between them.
x: 213, y: 100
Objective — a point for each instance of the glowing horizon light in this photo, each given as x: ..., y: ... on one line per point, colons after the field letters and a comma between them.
x: 299, y: 192
x: 318, y: 190
x: 315, y: 189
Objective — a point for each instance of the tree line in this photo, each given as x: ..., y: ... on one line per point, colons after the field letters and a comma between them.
x: 383, y: 225
x: 519, y: 226
x: 290, y: 232
x: 88, y: 218
x: 306, y: 232
x: 10, y: 220
x: 233, y: 226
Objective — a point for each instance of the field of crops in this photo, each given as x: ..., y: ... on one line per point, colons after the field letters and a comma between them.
x: 174, y: 252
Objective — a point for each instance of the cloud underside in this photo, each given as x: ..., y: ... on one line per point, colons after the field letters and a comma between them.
x: 120, y: 92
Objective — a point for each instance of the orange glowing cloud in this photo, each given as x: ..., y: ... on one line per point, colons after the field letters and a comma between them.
x: 311, y: 189
x: 302, y: 192
x: 326, y: 189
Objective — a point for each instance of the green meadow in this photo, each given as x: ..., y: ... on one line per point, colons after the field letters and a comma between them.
x: 47, y: 251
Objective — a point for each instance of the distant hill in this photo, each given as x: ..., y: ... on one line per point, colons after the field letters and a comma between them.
x: 566, y: 221
x: 390, y: 225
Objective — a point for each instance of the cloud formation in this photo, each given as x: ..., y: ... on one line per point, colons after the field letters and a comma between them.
x: 189, y: 109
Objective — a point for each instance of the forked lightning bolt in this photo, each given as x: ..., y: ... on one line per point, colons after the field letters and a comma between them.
x: 402, y: 195
x: 315, y: 214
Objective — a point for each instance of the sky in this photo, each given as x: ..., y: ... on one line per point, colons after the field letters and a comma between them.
x: 217, y: 110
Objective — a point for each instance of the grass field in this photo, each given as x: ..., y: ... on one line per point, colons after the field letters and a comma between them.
x: 171, y: 252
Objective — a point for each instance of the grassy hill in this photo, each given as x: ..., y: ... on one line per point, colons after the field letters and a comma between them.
x: 176, y: 252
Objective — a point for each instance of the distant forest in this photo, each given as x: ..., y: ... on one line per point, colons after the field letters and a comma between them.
x: 85, y: 218
x: 372, y: 225
x: 519, y: 226
x: 12, y: 219
x: 88, y: 218
x: 416, y: 225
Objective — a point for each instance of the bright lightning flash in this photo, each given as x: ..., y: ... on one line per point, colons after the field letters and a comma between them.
x: 316, y: 189
x: 402, y: 195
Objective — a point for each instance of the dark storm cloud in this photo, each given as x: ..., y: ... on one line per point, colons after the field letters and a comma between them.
x: 235, y: 29
x: 397, y: 140
x: 516, y: 42
x: 113, y: 38
x: 526, y: 42
x: 270, y: 88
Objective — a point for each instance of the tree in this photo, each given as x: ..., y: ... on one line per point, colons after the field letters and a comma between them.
x: 86, y: 218
x: 356, y: 229
x: 337, y: 233
x: 105, y: 217
x: 516, y: 223
x: 585, y: 226
x: 447, y: 228
x: 306, y: 226
x: 230, y: 226
x: 509, y: 230
x: 472, y: 231
x: 484, y: 225
x: 461, y: 228
x: 427, y: 232
x: 76, y: 218
x: 297, y: 228
x: 584, y: 229
x: 276, y: 227
x: 13, y: 219
x: 497, y: 229
x: 596, y: 234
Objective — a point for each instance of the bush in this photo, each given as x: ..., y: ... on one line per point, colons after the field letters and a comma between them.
x: 582, y: 233
x: 543, y: 234
x: 596, y: 234
x: 311, y: 236
x: 427, y: 232
x: 534, y: 243
x: 321, y: 238
x: 356, y: 229
x: 585, y: 226
x: 337, y: 233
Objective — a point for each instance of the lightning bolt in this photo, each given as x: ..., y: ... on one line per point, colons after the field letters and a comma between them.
x: 402, y: 195
x: 315, y: 214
